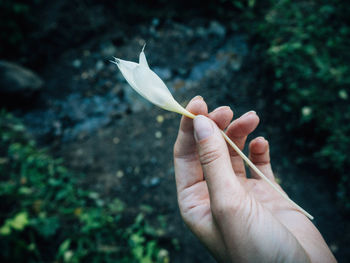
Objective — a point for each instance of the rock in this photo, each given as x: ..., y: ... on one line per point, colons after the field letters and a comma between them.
x: 151, y: 182
x: 158, y: 134
x: 201, y: 32
x: 18, y: 81
x: 155, y: 22
x: 108, y: 50
x: 42, y: 122
x: 76, y: 63
x: 99, y: 65
x: 160, y: 118
x: 154, y: 181
x: 201, y: 69
x: 217, y: 29
x: 163, y: 73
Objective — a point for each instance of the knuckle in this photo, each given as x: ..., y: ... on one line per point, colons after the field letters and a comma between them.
x: 209, y: 155
x: 177, y: 152
x: 260, y: 158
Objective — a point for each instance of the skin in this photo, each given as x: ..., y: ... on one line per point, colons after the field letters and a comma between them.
x: 238, y: 219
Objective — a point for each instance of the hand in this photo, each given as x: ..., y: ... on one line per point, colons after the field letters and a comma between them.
x: 238, y: 219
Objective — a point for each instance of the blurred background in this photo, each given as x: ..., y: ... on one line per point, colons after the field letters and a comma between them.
x: 86, y: 164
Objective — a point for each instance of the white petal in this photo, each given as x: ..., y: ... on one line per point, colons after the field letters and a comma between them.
x: 142, y: 59
x: 144, y: 81
x: 127, y: 68
x: 152, y: 87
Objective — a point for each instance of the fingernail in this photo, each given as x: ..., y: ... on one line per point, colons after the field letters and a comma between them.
x: 248, y: 113
x: 221, y: 107
x: 261, y: 139
x: 203, y: 128
x: 198, y: 97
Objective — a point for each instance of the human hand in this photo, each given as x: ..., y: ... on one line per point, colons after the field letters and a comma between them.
x: 238, y: 219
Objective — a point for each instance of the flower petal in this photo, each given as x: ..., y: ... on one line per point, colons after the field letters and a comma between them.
x: 126, y: 68
x: 151, y: 86
x: 147, y: 83
x: 154, y: 90
x: 142, y: 58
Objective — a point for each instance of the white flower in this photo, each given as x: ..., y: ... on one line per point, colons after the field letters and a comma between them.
x: 147, y: 83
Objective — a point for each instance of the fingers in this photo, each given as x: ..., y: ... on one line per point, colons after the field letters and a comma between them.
x: 259, y: 154
x: 238, y: 131
x: 187, y: 166
x: 222, y: 116
x: 214, y: 157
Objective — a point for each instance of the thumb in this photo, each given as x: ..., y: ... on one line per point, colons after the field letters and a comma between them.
x: 223, y: 185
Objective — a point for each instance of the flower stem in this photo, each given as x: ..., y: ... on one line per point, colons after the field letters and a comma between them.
x: 251, y: 165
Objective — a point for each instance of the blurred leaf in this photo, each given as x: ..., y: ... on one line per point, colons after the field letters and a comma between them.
x: 19, y: 222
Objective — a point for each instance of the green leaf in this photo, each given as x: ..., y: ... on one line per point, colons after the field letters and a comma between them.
x: 63, y: 247
x: 5, y: 230
x: 20, y: 221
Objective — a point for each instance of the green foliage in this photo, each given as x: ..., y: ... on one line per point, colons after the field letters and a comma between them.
x: 305, y: 45
x: 18, y: 19
x: 46, y: 216
x: 19, y: 222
